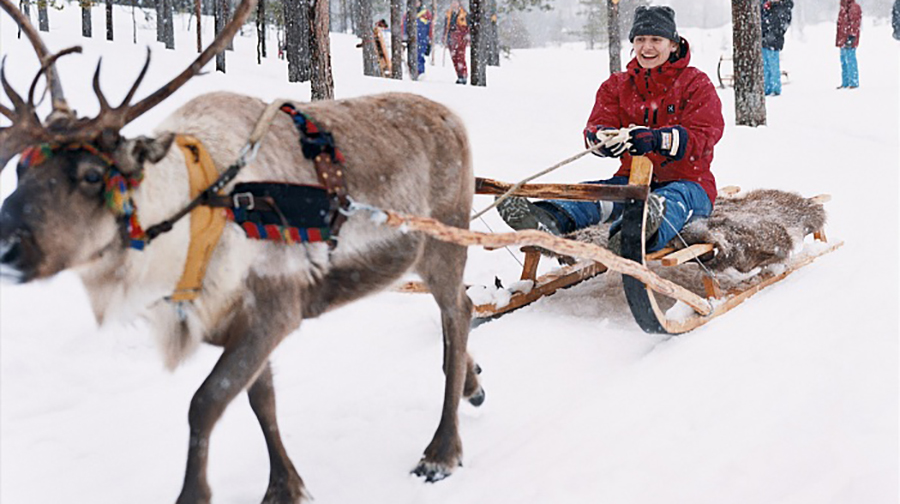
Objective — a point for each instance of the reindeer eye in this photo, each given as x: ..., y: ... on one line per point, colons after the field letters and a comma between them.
x: 93, y: 177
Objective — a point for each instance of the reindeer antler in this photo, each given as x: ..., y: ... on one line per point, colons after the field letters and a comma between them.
x: 26, y: 128
x: 62, y: 126
x: 116, y: 118
x: 56, y: 91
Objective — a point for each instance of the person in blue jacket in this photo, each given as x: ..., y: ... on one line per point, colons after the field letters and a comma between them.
x: 776, y: 17
x: 423, y: 35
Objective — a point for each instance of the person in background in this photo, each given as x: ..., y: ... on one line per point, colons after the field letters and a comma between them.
x: 776, y: 17
x: 456, y: 38
x: 679, y: 121
x: 895, y: 19
x: 423, y: 35
x: 848, y: 22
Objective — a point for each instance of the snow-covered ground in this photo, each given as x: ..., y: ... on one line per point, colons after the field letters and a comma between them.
x: 791, y: 398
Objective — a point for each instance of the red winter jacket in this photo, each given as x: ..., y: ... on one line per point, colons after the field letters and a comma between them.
x: 668, y: 95
x: 849, y: 18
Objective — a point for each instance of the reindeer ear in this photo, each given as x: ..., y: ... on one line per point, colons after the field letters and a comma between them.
x: 132, y: 154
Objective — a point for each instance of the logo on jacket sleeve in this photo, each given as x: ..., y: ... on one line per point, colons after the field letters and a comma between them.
x: 670, y: 109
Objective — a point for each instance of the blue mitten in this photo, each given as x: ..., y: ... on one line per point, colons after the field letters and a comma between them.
x: 670, y: 142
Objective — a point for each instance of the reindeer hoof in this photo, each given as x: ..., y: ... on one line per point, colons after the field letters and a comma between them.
x: 477, y: 399
x: 432, y: 471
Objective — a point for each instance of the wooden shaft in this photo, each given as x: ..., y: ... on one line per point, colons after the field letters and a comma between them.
x: 686, y: 254
x: 590, y: 192
x: 559, y: 245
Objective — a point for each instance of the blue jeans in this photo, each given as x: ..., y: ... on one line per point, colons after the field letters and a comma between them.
x: 772, y: 71
x: 849, y: 69
x: 685, y: 200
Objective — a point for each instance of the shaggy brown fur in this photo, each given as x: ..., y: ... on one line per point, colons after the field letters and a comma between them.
x: 751, y: 231
x: 403, y: 152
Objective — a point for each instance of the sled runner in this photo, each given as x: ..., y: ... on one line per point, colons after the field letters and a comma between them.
x: 659, y: 305
x: 725, y: 72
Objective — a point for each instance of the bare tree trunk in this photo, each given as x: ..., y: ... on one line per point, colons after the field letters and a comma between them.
x: 26, y: 9
x: 133, y: 22
x: 219, y: 23
x: 615, y: 40
x: 109, y: 19
x: 412, y: 48
x: 396, y: 39
x: 198, y: 11
x: 297, y: 37
x: 478, y: 51
x: 226, y: 4
x: 160, y: 21
x: 364, y: 29
x: 43, y: 19
x: 169, y: 38
x: 260, y: 31
x: 493, y: 35
x: 86, y: 18
x: 749, y: 93
x: 322, y: 81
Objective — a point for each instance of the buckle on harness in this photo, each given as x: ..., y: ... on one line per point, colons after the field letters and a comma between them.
x: 251, y: 203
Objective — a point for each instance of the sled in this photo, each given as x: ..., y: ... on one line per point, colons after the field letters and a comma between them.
x: 384, y: 61
x: 725, y: 72
x: 641, y: 285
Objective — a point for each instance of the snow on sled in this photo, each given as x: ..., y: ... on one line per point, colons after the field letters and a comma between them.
x: 748, y: 243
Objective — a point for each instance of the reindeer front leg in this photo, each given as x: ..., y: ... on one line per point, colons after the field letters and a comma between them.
x: 252, y: 336
x: 236, y: 368
x: 285, y: 485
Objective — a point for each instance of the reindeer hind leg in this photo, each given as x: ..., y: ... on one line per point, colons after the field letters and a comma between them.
x: 441, y: 267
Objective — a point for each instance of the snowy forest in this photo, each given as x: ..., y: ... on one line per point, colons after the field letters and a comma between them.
x: 791, y: 397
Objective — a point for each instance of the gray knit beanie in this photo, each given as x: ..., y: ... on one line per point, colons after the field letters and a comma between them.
x: 654, y: 20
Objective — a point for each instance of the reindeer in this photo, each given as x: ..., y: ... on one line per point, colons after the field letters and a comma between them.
x: 402, y: 152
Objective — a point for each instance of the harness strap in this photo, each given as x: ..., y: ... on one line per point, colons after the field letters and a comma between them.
x: 318, y: 145
x: 207, y: 223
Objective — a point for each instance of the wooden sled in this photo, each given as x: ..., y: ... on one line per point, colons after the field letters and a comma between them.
x: 384, y: 61
x: 640, y: 288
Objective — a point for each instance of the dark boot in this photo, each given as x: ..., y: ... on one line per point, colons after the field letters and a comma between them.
x: 656, y: 209
x: 461, y: 80
x: 520, y: 214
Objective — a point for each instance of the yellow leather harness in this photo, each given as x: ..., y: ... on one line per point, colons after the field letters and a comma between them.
x: 207, y: 223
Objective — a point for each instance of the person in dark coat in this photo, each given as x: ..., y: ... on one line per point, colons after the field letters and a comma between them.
x: 659, y: 107
x: 895, y: 19
x: 848, y: 24
x: 776, y: 17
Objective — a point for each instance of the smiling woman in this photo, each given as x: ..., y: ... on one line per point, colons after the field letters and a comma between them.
x: 661, y: 108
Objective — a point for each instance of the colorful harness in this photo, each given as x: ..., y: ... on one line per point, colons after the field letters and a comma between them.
x: 280, y: 212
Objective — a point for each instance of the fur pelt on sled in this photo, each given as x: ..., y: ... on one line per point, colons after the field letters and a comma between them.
x: 750, y: 231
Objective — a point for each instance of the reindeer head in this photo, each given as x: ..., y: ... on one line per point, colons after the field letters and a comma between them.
x: 75, y: 174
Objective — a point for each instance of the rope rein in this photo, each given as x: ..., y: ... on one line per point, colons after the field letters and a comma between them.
x: 610, y: 136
